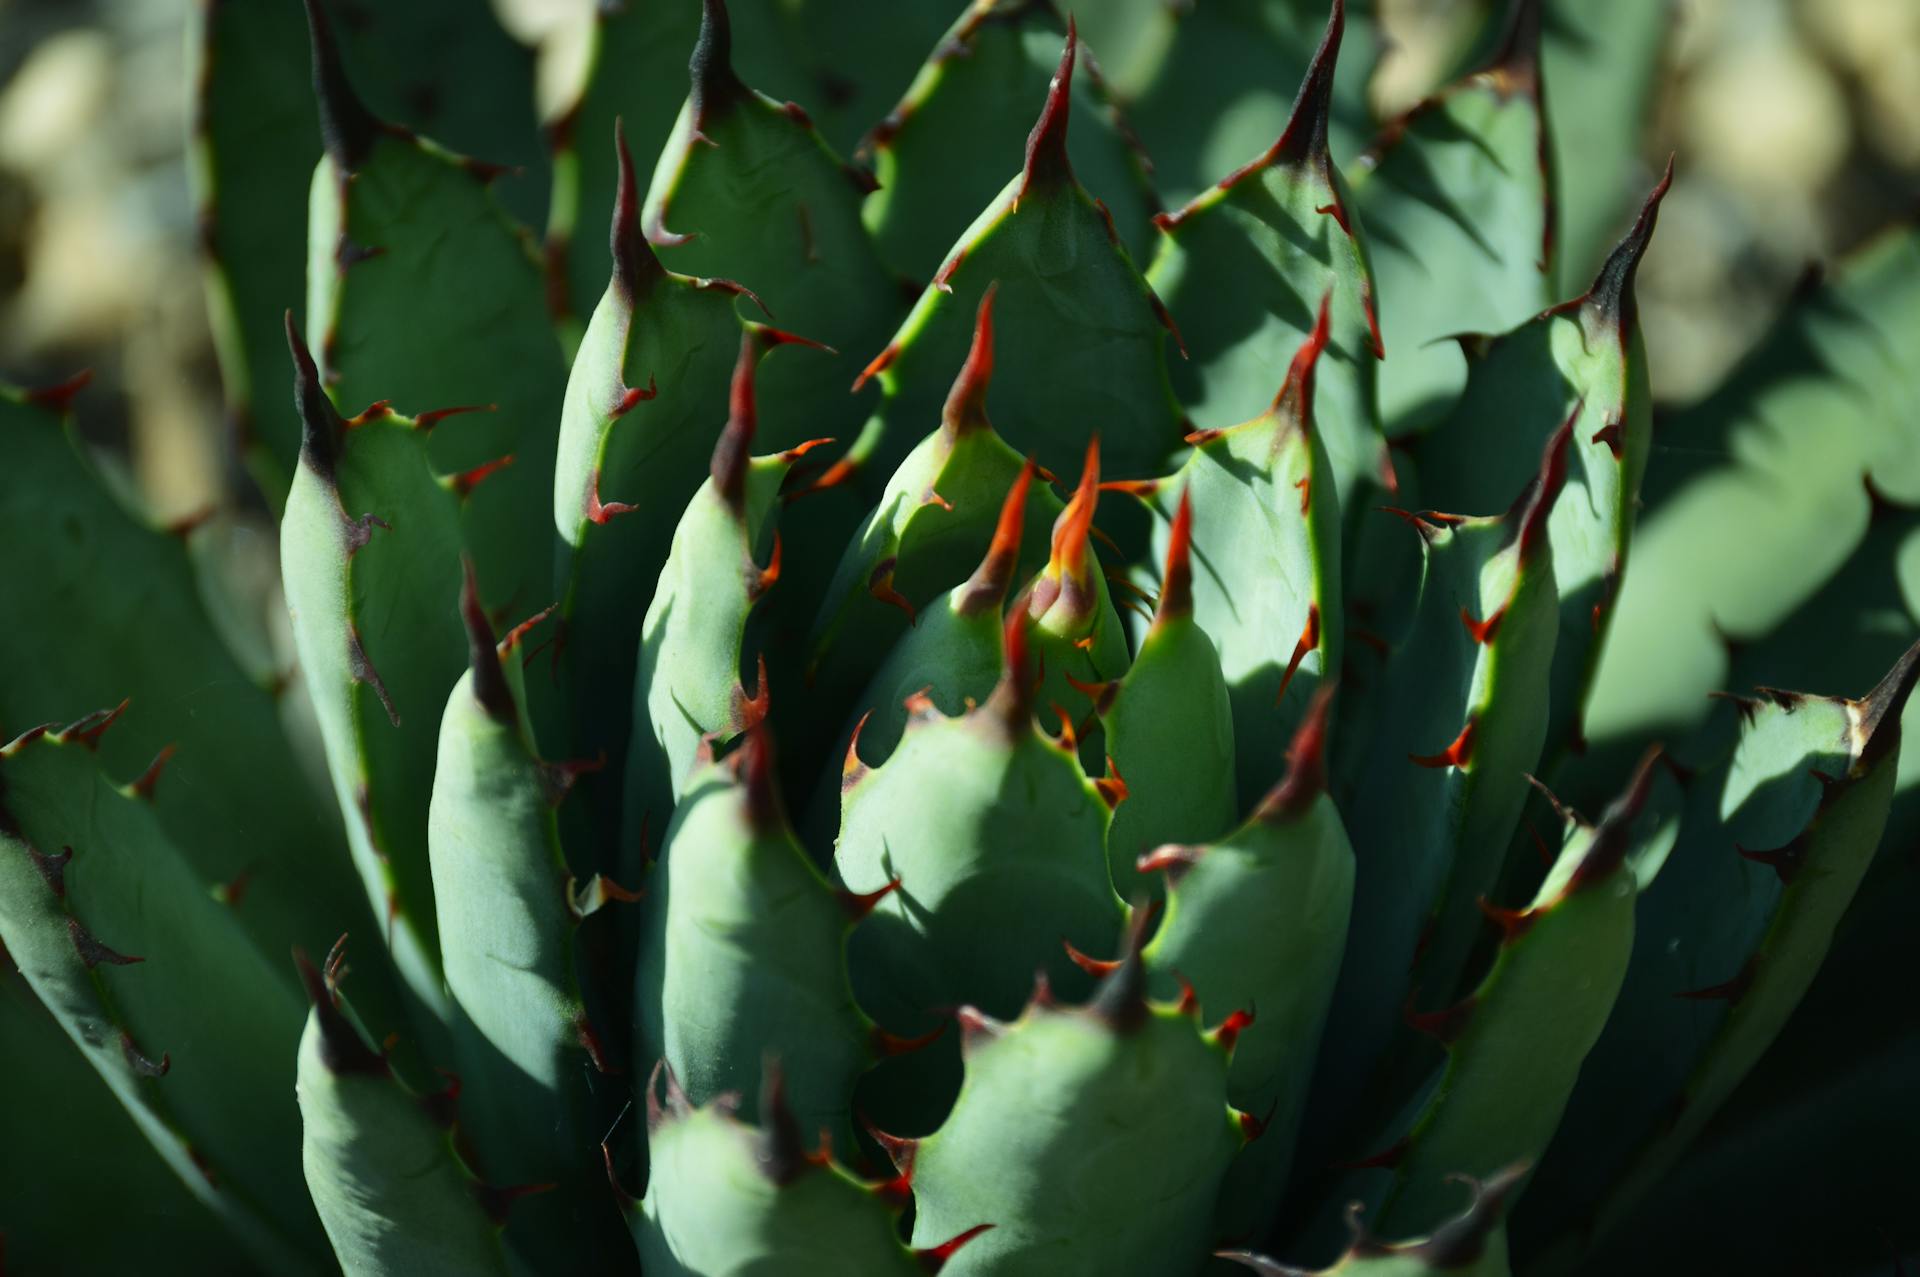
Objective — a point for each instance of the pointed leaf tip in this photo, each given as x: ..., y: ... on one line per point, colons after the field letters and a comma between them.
x: 1012, y: 699
x: 1534, y: 505
x: 1612, y: 292
x: 753, y: 766
x: 320, y: 422
x: 715, y: 86
x: 1047, y: 143
x: 347, y: 127
x: 1306, y: 777
x: 483, y: 657
x: 1306, y: 132
x: 987, y: 587
x: 1074, y: 527
x: 782, y: 1152
x: 1121, y: 998
x: 1176, y: 583
x: 633, y: 260
x: 966, y: 405
x: 731, y: 454
x: 1877, y: 727
x: 1463, y: 1240
x: 1296, y: 392
x: 342, y: 1049
x: 1613, y: 835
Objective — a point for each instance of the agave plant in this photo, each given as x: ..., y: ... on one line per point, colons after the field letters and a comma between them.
x: 1104, y: 793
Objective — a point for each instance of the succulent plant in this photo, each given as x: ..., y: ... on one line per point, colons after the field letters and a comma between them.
x: 1101, y: 794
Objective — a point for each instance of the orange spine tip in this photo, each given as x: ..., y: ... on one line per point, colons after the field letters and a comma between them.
x: 1227, y: 1033
x: 731, y: 454
x: 1176, y: 587
x: 1481, y: 632
x: 1309, y: 640
x: 1457, y: 754
x: 1096, y: 967
x: 966, y: 404
x: 1075, y: 525
x: 988, y: 585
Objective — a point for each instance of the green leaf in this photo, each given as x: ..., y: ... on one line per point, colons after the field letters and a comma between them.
x: 156, y: 984
x: 1457, y: 199
x: 688, y: 691
x: 255, y: 135
x: 1266, y: 551
x: 1601, y: 69
x: 111, y: 610
x: 1083, y: 339
x: 646, y: 404
x: 724, y: 1197
x: 742, y: 952
x: 1257, y: 920
x: 747, y: 189
x: 1755, y: 493
x: 160, y: 1227
x: 1449, y: 726
x: 370, y: 561
x: 380, y: 1161
x: 941, y: 152
x: 1243, y: 269
x: 1205, y: 83
x: 422, y: 292
x: 1580, y: 366
x: 1110, y: 1130
x: 1515, y: 1045
x: 1772, y: 847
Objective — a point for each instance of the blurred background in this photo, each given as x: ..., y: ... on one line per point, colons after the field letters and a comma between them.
x: 1796, y: 124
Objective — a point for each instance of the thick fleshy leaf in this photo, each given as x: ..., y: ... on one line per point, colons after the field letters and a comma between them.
x: 1258, y: 920
x: 254, y: 141
x: 742, y: 952
x: 1447, y: 730
x: 646, y: 404
x: 1172, y: 692
x: 689, y: 690
x: 1457, y: 199
x: 1755, y: 497
x: 830, y: 56
x: 1243, y: 269
x: 1602, y: 69
x: 997, y: 840
x: 1516, y: 1043
x: 394, y: 1195
x: 123, y: 944
x: 1266, y: 585
x: 1138, y: 1083
x: 1583, y: 366
x: 747, y: 189
x: 1083, y: 340
x: 1772, y: 845
x: 109, y: 608
x: 943, y: 150
x: 370, y: 558
x: 422, y: 292
x: 1470, y: 1244
x: 531, y: 1061
x: 725, y: 1197
x: 1206, y: 84
x: 933, y: 524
